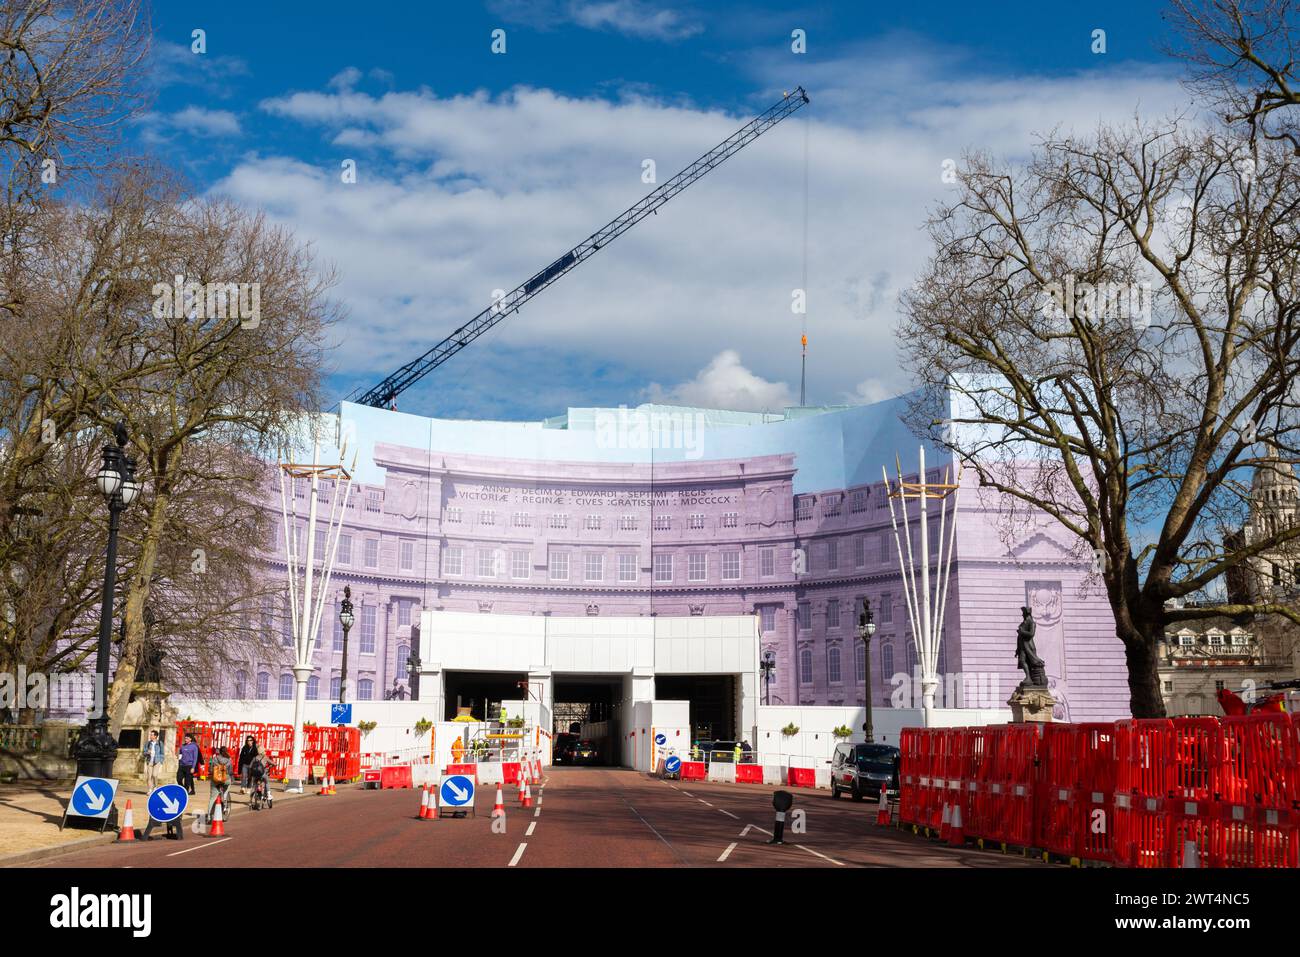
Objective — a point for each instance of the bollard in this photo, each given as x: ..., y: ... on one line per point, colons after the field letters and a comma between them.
x: 781, y: 801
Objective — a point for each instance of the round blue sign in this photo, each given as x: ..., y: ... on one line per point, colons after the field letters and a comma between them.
x: 457, y: 791
x: 661, y: 739
x: 168, y: 802
x: 92, y: 797
x: 673, y: 764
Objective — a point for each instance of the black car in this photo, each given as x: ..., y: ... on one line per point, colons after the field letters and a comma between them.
x: 564, y: 745
x: 861, y: 769
x: 585, y: 752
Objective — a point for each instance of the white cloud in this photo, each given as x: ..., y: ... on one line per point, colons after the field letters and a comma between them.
x: 725, y: 383
x: 457, y: 196
x: 635, y: 18
x: 203, y: 122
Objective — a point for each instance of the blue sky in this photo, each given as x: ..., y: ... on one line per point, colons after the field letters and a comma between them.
x: 475, y: 169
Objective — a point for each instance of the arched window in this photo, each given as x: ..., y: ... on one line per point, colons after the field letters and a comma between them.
x: 313, y: 687
x: 365, y: 689
x: 887, y: 661
x: 860, y: 661
x: 805, y: 667
x: 335, y: 685
x: 911, y: 657
x: 400, y: 664
x: 833, y: 664
x: 286, y: 687
x: 263, y: 686
x: 241, y: 684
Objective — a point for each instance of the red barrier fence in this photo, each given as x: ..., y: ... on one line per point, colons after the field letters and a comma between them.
x: 1140, y: 793
x: 336, y: 751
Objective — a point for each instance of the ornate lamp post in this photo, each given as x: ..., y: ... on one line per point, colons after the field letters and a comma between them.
x: 346, y: 618
x: 96, y: 749
x: 867, y: 628
x: 768, y: 664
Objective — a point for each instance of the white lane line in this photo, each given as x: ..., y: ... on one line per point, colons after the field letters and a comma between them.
x: 821, y: 855
x: 537, y: 812
x: 199, y: 848
x: 704, y: 802
x: 728, y: 813
x: 687, y: 793
x: 674, y: 787
x: 730, y: 847
x: 529, y: 832
x: 519, y: 852
x: 755, y: 827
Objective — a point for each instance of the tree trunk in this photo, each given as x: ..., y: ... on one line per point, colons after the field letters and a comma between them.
x: 1145, y: 700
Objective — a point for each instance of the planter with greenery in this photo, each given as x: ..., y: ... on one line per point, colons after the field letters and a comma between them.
x: 790, y: 730
x: 365, y: 727
x: 423, y: 725
x: 843, y: 731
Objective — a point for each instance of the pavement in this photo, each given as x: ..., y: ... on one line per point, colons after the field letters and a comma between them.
x: 583, y: 817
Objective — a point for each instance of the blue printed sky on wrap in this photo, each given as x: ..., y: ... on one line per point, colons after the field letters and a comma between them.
x: 475, y: 169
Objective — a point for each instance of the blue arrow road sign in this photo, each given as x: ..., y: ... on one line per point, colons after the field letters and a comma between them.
x: 672, y: 764
x: 340, y: 714
x: 92, y: 797
x: 457, y: 791
x: 661, y: 739
x: 168, y: 802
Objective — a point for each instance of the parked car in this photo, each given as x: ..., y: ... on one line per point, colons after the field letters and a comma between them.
x: 564, y: 745
x: 860, y: 769
x: 585, y: 752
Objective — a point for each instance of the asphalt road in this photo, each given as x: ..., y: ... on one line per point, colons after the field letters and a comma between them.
x: 583, y: 817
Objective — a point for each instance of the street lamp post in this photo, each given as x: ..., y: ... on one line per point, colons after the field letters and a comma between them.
x: 346, y: 618
x: 96, y: 750
x: 768, y: 664
x: 867, y: 628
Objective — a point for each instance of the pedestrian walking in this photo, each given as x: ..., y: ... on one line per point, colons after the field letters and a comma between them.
x: 189, y: 761
x: 246, y: 755
x: 220, y: 771
x: 153, y: 761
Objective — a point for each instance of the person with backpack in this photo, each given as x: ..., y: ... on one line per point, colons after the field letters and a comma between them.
x: 220, y: 771
x: 189, y: 762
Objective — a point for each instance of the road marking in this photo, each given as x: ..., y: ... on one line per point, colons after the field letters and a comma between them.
x: 674, y: 787
x: 728, y: 813
x: 529, y: 832
x: 519, y: 852
x: 199, y: 848
x: 821, y: 855
x: 704, y: 802
x: 730, y: 847
x: 687, y: 793
x: 537, y: 812
x: 755, y: 827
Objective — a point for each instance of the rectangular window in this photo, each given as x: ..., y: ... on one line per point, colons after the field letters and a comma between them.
x: 320, y: 545
x: 345, y: 549
x: 697, y: 567
x: 882, y: 497
x: 594, y: 567
x: 884, y: 546
x: 374, y: 501
x: 731, y: 566
x: 859, y: 502
x: 486, y: 567
x: 730, y: 519
x: 591, y: 523
x: 372, y: 553
x: 453, y: 561
x: 886, y: 608
x: 519, y: 559
x: 767, y: 618
x: 663, y: 566
x: 805, y: 616
x: 831, y: 507
x: 487, y: 517
x: 832, y: 555
x: 833, y: 664
x: 696, y: 522
x: 932, y: 531
x: 833, y: 613
x: 627, y: 523
x: 559, y: 521
x: 662, y: 523
x: 559, y: 565
x: 803, y: 506
x: 455, y: 514
x: 404, y: 611
x: 338, y: 630
x: 767, y: 562
x: 627, y: 567
x: 408, y: 555
x: 367, y: 629
x: 860, y: 551
x: 521, y: 520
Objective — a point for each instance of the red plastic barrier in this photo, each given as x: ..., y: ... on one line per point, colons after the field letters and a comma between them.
x: 801, y: 778
x: 693, y: 771
x: 1255, y: 823
x: 396, y: 776
x: 460, y: 769
x: 909, y: 781
x: 510, y: 771
x: 749, y: 774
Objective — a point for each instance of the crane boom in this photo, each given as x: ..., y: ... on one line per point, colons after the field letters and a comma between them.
x: 385, y: 392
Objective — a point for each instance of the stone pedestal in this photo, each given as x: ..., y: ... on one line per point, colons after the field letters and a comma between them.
x: 1031, y: 704
x: 148, y: 710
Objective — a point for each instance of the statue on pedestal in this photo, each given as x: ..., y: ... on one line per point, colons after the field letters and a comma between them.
x: 1027, y: 659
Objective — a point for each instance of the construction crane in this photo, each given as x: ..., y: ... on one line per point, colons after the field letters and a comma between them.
x: 384, y: 394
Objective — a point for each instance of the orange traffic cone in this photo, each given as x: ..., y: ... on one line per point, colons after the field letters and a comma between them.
x: 955, y: 835
x: 882, y: 814
x: 218, y: 822
x: 528, y: 795
x: 127, y: 832
x: 329, y: 785
x: 499, y: 808
x: 424, y: 804
x: 324, y: 787
x: 947, y: 818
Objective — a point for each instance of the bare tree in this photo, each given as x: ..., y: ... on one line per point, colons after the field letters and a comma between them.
x: 1117, y: 327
